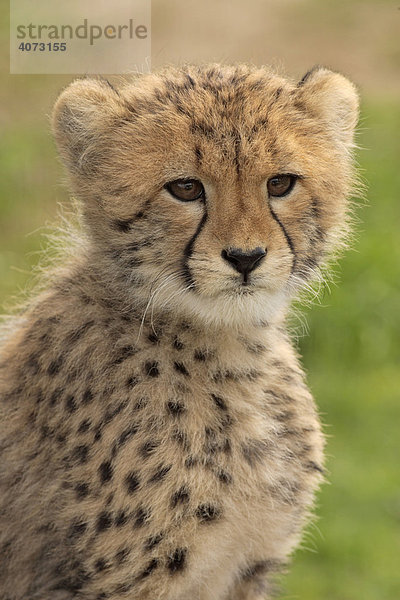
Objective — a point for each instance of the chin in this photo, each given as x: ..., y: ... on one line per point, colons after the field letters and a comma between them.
x: 240, y: 309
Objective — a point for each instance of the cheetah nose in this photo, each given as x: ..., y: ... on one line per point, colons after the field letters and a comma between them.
x: 244, y: 262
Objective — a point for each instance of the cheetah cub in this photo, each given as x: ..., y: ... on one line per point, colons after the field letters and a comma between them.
x: 158, y: 439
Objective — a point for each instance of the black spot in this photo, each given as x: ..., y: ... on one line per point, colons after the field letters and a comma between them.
x: 73, y: 584
x: 46, y: 431
x: 124, y: 226
x: 97, y: 433
x: 153, y: 338
x: 153, y: 564
x: 55, y: 366
x: 191, y: 462
x: 141, y: 403
x: 160, y: 474
x: 148, y: 448
x: 127, y: 434
x: 113, y: 411
x: 70, y: 404
x: 132, y: 482
x: 261, y: 567
x: 177, y: 344
x: 200, y: 355
x: 87, y: 396
x: 141, y: 517
x: 254, y: 347
x: 224, y: 476
x: 32, y: 365
x: 176, y: 561
x: 180, y: 367
x: 153, y: 541
x: 39, y: 397
x: 125, y: 353
x: 123, y: 588
x: 55, y: 396
x: 207, y: 513
x: 312, y: 466
x: 132, y: 381
x: 110, y: 498
x: 84, y: 426
x: 106, y: 471
x: 220, y: 402
x: 215, y: 442
x: 80, y: 453
x: 176, y: 408
x: 61, y: 438
x: 101, y: 564
x: 75, y: 335
x: 77, y: 528
x: 82, y: 490
x: 104, y: 521
x: 121, y: 518
x: 121, y: 555
x: 180, y: 497
x: 151, y: 369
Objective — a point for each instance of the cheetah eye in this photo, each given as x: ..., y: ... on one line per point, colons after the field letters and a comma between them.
x: 186, y: 189
x: 280, y: 185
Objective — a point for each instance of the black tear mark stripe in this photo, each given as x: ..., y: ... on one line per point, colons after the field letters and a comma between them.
x: 188, y: 251
x: 287, y: 237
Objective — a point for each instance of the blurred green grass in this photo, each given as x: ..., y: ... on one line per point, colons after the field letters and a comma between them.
x: 352, y: 356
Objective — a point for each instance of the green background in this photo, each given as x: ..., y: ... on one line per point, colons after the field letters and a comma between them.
x: 352, y: 350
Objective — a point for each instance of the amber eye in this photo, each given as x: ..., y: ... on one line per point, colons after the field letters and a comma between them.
x: 280, y: 185
x: 186, y: 189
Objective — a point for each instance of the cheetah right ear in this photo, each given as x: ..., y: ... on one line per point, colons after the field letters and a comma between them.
x: 82, y: 116
x: 332, y: 98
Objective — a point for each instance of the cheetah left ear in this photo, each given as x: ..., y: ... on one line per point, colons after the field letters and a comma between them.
x: 82, y: 118
x: 332, y: 98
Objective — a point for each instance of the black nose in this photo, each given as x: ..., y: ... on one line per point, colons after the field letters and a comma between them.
x: 244, y: 262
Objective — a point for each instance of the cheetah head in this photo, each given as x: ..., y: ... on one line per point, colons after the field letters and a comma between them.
x: 215, y: 191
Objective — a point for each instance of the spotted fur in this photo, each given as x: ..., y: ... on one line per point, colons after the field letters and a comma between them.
x: 158, y: 440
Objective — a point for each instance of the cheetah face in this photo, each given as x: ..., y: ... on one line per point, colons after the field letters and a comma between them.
x: 216, y: 190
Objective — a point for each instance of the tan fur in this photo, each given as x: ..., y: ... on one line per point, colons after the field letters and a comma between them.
x: 158, y: 440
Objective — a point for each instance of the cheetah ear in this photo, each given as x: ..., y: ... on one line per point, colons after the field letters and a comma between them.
x: 333, y: 98
x: 83, y: 114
